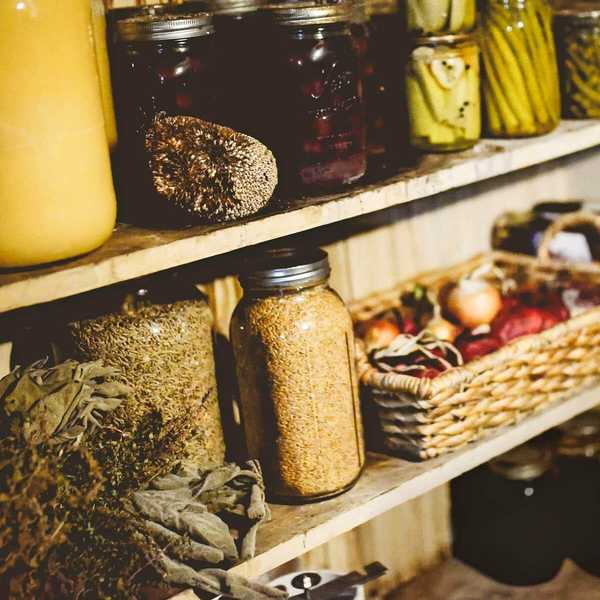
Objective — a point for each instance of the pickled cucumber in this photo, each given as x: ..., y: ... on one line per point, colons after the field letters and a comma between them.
x: 521, y: 86
x: 442, y: 86
x: 440, y: 16
x: 579, y: 58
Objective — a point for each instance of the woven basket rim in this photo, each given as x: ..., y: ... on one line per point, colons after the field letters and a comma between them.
x: 454, y: 377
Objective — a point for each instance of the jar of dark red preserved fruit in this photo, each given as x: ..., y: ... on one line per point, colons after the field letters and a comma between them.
x: 313, y: 110
x: 579, y: 460
x: 164, y: 63
x: 506, y: 517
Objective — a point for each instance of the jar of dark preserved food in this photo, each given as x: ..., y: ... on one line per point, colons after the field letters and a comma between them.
x: 577, y: 26
x: 385, y: 97
x: 164, y: 63
x: 314, y: 114
x: 506, y: 517
x: 294, y: 351
x: 442, y: 87
x: 579, y: 460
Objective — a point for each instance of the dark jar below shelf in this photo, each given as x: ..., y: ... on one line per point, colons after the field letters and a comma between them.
x: 313, y: 114
x: 163, y: 63
x: 506, y: 517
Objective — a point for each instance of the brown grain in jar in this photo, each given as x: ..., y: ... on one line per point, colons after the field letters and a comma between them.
x: 294, y: 349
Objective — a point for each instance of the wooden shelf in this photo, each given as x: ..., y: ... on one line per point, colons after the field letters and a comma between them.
x: 133, y: 251
x: 388, y: 482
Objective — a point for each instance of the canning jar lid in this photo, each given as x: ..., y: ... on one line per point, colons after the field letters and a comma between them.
x: 284, y: 269
x: 233, y: 7
x: 359, y: 11
x: 309, y: 13
x: 524, y: 463
x: 580, y: 436
x: 382, y: 7
x: 158, y: 28
x: 455, y: 39
x: 586, y: 9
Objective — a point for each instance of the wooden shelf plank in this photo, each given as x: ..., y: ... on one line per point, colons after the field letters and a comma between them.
x: 133, y: 251
x: 388, y: 482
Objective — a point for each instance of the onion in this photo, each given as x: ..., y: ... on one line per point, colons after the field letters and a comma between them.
x: 474, y: 302
x: 380, y: 333
x: 443, y: 329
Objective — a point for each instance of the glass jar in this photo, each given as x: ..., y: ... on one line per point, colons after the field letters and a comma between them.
x: 521, y: 89
x: 294, y: 350
x: 442, y: 87
x: 385, y: 97
x: 163, y: 63
x: 440, y: 18
x: 506, y: 517
x: 56, y: 187
x: 578, y: 42
x: 158, y: 332
x: 314, y: 114
x: 579, y: 460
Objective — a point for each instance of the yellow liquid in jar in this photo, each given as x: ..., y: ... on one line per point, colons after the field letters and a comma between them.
x: 56, y: 192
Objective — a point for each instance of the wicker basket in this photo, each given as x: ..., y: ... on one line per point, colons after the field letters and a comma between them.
x: 423, y: 418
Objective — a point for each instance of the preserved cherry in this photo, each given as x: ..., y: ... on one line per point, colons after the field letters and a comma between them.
x: 315, y: 116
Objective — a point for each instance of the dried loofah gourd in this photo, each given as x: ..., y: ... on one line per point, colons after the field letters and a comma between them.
x: 208, y: 170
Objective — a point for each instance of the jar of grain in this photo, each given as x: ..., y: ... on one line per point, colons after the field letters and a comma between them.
x: 158, y: 332
x: 294, y: 349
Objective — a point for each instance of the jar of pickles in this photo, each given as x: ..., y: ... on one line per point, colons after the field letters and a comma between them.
x: 442, y: 87
x: 164, y: 63
x: 578, y: 41
x: 521, y: 89
x: 294, y: 351
x: 314, y: 114
x: 437, y: 18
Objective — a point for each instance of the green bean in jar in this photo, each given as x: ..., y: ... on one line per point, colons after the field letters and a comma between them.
x: 294, y: 348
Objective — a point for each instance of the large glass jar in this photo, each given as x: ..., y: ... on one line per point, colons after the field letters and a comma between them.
x: 579, y: 460
x: 506, y: 517
x: 437, y: 18
x: 293, y: 343
x: 158, y: 332
x: 442, y: 88
x: 385, y: 98
x: 56, y: 187
x: 521, y: 89
x: 314, y: 114
x: 578, y: 42
x: 164, y: 63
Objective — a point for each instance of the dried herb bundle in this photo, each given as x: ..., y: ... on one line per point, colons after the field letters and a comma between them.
x: 209, y: 171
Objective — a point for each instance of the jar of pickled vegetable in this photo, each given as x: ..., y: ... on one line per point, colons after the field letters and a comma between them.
x: 314, y: 114
x: 521, y: 89
x: 442, y: 87
x: 431, y: 17
x: 294, y: 350
x: 56, y: 188
x: 578, y: 41
x: 164, y: 63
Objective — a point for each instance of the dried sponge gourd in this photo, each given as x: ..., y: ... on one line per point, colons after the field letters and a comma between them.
x: 208, y: 171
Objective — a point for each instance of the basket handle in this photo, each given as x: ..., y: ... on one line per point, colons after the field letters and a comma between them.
x: 562, y: 223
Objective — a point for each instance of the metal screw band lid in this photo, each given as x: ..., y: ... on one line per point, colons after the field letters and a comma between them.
x: 524, y: 463
x: 447, y: 40
x: 284, y: 269
x: 156, y: 28
x: 359, y: 11
x: 587, y: 10
x: 309, y: 13
x: 234, y: 7
x: 580, y: 436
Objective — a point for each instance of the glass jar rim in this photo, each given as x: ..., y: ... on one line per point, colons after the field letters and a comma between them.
x: 164, y: 27
x: 234, y: 7
x: 451, y: 40
x: 524, y: 463
x: 285, y: 268
x: 309, y: 13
